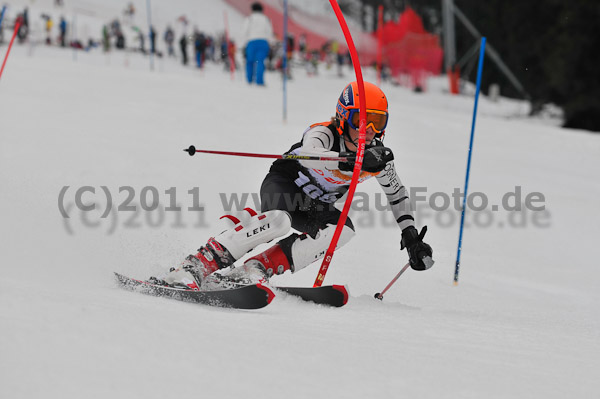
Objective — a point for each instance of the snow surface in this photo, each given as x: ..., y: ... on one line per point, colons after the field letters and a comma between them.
x: 523, y: 322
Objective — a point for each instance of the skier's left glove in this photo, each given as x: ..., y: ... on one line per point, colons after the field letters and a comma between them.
x: 419, y: 253
x: 374, y: 160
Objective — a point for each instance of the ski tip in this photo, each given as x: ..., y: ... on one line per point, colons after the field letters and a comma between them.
x: 119, y: 277
x: 344, y: 290
x: 270, y: 293
x: 128, y: 282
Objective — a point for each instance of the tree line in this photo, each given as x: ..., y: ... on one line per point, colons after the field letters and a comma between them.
x: 551, y: 46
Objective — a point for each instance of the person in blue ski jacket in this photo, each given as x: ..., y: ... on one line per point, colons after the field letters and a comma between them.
x: 257, y: 33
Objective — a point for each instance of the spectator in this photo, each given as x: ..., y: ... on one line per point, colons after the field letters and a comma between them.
x: 169, y: 39
x: 183, y: 43
x: 199, y: 47
x: 289, y: 54
x: 224, y: 49
x: 257, y: 33
x: 63, y: 32
x: 105, y: 39
x: 302, y: 44
x: 120, y: 43
x: 129, y: 12
x: 24, y: 28
x: 141, y: 39
x: 210, y: 48
x: 49, y: 25
x: 26, y: 17
x: 152, y: 40
x: 91, y: 44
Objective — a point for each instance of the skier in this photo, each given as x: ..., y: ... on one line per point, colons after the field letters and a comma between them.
x: 300, y: 194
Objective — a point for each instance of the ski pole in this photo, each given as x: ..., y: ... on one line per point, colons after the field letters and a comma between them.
x: 192, y: 151
x: 379, y: 295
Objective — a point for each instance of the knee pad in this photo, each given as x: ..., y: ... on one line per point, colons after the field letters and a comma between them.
x: 254, y: 229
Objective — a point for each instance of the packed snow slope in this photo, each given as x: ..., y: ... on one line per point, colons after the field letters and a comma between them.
x: 523, y: 322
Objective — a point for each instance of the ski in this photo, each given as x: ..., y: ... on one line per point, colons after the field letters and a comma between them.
x: 331, y: 295
x: 254, y: 296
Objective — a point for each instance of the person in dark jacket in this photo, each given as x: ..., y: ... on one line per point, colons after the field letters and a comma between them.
x: 183, y: 43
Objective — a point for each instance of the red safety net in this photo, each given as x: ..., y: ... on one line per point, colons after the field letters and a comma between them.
x: 410, y: 52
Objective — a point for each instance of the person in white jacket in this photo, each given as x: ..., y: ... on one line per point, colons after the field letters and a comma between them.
x: 257, y: 32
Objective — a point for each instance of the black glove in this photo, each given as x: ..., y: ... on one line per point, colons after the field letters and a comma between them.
x: 419, y: 253
x: 374, y: 160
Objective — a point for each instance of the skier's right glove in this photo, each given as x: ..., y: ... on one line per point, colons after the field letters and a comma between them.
x: 419, y: 253
x: 374, y: 160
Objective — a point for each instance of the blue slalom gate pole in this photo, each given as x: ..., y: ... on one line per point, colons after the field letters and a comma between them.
x: 464, y: 204
x: 284, y: 65
x: 2, y: 15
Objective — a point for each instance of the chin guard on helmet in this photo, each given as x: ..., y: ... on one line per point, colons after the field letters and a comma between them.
x: 342, y: 128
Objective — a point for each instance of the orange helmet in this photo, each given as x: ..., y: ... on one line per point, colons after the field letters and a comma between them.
x: 347, y: 111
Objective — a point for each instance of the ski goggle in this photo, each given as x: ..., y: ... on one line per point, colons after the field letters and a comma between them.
x: 376, y: 119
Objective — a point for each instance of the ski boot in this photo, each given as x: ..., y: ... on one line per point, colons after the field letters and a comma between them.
x: 194, y: 269
x: 257, y: 269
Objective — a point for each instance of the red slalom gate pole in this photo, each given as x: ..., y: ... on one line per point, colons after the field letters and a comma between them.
x: 379, y: 44
x: 12, y: 40
x: 360, y: 150
x: 229, y: 55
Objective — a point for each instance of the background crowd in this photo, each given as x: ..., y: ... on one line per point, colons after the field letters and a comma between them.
x: 192, y: 46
